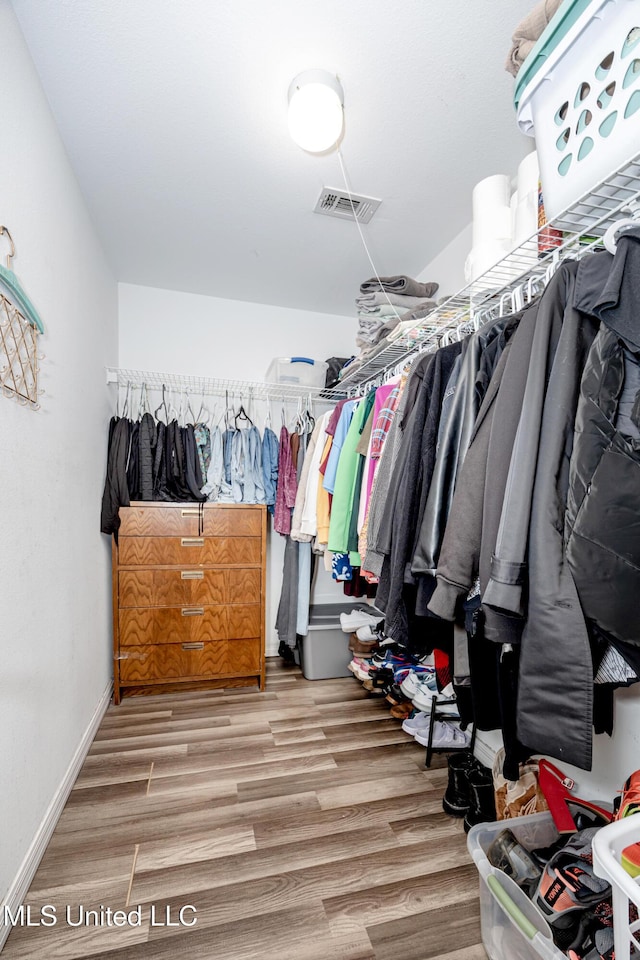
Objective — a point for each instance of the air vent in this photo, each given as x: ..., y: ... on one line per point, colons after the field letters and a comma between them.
x: 337, y: 203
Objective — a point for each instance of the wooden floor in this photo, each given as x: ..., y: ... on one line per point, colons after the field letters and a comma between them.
x: 300, y: 823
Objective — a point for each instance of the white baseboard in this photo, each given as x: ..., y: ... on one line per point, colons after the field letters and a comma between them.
x: 18, y: 889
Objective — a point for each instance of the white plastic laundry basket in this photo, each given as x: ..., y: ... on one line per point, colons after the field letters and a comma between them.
x: 608, y: 844
x: 579, y: 95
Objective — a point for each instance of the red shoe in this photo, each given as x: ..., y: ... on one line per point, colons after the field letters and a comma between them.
x: 629, y: 804
x: 556, y: 788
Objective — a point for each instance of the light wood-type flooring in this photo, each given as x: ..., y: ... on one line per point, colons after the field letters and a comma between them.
x: 300, y: 822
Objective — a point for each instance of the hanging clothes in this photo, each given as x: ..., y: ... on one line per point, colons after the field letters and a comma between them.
x: 287, y: 486
x: 270, y: 467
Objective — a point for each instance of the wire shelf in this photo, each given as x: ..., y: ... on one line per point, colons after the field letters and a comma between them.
x: 213, y: 387
x: 521, y: 271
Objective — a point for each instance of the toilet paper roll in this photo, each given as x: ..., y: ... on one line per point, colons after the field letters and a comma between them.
x: 526, y: 222
x: 528, y: 176
x: 514, y: 210
x: 491, y: 209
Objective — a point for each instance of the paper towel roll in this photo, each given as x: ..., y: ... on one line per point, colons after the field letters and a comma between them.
x: 491, y: 209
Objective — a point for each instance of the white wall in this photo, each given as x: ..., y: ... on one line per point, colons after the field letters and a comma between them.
x: 172, y: 332
x: 54, y: 563
x: 447, y: 268
x: 187, y: 333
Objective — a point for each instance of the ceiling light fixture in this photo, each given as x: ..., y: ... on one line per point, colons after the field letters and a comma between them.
x: 316, y: 105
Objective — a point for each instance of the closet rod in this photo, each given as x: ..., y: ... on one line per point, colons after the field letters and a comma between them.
x: 213, y: 387
x: 583, y: 224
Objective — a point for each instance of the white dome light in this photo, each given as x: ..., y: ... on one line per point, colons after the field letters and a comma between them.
x: 315, y: 110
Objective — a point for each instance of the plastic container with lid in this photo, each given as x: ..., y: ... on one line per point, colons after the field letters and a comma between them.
x: 298, y: 371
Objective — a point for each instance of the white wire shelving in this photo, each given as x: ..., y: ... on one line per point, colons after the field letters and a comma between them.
x: 211, y: 387
x: 521, y: 273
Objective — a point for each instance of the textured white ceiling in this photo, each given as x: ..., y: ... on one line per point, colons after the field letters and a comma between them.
x: 173, y: 113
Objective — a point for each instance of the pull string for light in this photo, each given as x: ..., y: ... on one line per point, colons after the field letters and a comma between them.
x: 364, y: 242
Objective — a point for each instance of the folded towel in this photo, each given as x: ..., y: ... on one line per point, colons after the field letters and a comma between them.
x: 369, y: 302
x: 406, y: 321
x: 381, y: 313
x: 527, y: 32
x: 399, y: 284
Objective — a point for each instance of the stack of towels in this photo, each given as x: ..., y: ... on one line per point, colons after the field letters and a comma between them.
x: 390, y: 304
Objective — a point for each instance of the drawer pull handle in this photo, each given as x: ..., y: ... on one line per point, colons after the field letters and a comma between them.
x: 193, y: 646
x: 189, y: 513
x: 192, y: 574
x: 193, y: 611
x: 192, y: 541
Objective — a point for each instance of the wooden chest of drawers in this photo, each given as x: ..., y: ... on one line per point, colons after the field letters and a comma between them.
x: 188, y: 596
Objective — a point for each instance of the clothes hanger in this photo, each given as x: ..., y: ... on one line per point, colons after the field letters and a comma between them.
x: 203, y: 409
x: 621, y: 226
x: 12, y: 287
x: 163, y: 403
x: 189, y: 408
x: 125, y: 407
x: 242, y: 415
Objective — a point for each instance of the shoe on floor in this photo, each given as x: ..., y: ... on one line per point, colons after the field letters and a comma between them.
x: 371, y: 632
x: 359, y: 668
x: 419, y: 721
x: 402, y: 711
x: 425, y: 695
x: 361, y: 647
x: 350, y: 622
x: 445, y: 736
x: 417, y: 675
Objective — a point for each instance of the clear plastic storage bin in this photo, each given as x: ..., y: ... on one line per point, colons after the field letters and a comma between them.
x: 512, y: 926
x: 578, y: 93
x: 299, y: 371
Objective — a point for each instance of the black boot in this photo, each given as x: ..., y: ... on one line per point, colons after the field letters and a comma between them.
x: 482, y: 808
x: 456, y: 800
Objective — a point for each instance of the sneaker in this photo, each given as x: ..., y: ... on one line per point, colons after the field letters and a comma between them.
x: 416, y: 676
x: 359, y: 668
x: 508, y: 855
x: 446, y: 736
x: 568, y: 886
x: 350, y: 622
x: 446, y: 702
x: 370, y: 632
x: 417, y: 722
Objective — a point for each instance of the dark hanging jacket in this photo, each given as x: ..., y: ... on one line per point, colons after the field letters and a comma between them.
x: 192, y: 471
x: 174, y: 452
x: 133, y: 466
x: 116, y: 491
x: 146, y: 451
x: 603, y: 510
x: 417, y: 471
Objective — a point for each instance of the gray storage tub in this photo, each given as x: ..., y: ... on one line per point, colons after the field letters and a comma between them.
x: 324, y: 652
